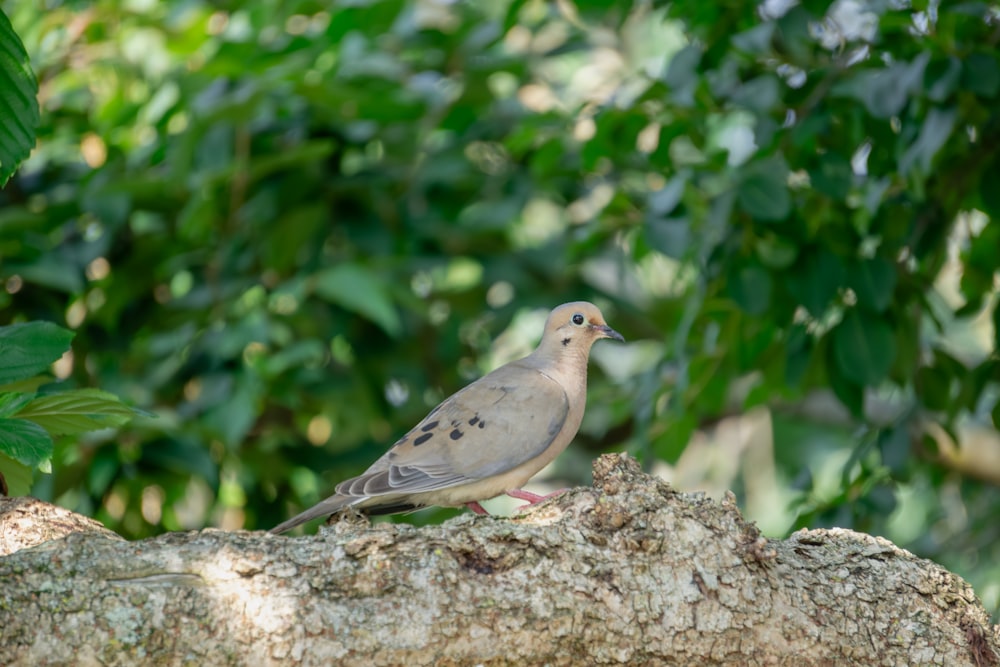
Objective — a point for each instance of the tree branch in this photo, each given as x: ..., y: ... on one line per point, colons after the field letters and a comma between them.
x: 628, y: 571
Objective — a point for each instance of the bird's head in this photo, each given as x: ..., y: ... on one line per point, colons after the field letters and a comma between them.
x: 576, y: 325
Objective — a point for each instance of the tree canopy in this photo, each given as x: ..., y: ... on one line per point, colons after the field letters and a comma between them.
x: 287, y: 229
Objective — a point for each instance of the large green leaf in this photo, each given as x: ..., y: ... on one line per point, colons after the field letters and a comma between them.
x: 24, y: 441
x: 358, y: 289
x: 77, y: 411
x: 864, y: 348
x: 28, y: 349
x: 18, y: 101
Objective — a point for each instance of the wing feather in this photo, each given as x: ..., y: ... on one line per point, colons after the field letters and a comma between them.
x: 493, y: 425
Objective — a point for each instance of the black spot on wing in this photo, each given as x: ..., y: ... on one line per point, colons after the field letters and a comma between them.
x: 472, y: 422
x: 422, y: 439
x: 456, y: 434
x: 430, y: 426
x: 482, y: 424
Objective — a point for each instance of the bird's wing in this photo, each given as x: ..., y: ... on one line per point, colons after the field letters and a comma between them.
x: 493, y: 425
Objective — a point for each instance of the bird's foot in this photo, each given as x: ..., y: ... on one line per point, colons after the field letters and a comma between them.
x: 532, y: 498
x: 477, y: 508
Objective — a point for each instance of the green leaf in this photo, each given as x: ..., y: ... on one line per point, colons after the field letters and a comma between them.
x: 18, y: 101
x: 183, y: 455
x: 663, y: 201
x: 233, y: 418
x: 933, y: 387
x: 102, y: 469
x: 798, y: 354
x: 671, y: 443
x: 933, y: 134
x: 750, y: 287
x: 873, y: 281
x: 996, y: 325
x: 763, y: 193
x: 16, y: 475
x: 942, y: 78
x: 981, y: 74
x: 26, y: 386
x: 356, y: 288
x: 863, y: 348
x: 25, y: 441
x: 77, y: 411
x: 816, y: 280
x: 833, y: 176
x: 672, y: 236
x: 760, y: 94
x: 885, y: 91
x: 894, y: 444
x: 29, y: 349
x: 776, y: 252
x: 682, y: 74
x: 12, y: 401
x: 708, y: 386
x: 851, y: 394
x: 756, y: 40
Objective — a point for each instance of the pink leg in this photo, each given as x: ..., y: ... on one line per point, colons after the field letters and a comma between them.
x: 532, y: 498
x: 477, y: 508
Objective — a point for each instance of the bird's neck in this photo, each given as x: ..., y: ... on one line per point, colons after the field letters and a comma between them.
x: 568, y: 364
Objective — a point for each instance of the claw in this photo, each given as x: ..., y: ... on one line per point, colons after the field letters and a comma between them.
x: 532, y: 498
x: 477, y: 508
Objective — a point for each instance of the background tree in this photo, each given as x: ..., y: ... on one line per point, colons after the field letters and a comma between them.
x: 287, y: 229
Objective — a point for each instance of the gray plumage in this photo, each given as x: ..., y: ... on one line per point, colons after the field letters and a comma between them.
x: 488, y: 438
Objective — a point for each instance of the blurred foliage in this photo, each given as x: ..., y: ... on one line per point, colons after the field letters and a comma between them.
x: 289, y: 228
x: 31, y: 416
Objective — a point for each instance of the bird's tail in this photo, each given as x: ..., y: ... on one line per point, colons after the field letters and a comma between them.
x: 326, y: 507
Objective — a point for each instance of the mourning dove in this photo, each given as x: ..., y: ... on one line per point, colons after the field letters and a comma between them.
x: 488, y: 438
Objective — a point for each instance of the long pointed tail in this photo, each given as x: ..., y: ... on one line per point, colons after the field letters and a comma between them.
x: 323, y: 508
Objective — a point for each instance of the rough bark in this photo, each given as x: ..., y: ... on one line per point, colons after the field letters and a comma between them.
x: 626, y: 572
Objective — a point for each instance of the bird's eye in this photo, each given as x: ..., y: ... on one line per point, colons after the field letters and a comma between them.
x: 577, y: 319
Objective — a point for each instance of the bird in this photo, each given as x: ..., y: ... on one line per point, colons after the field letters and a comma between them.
x: 489, y: 438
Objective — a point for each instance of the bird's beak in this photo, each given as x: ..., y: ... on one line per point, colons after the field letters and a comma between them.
x: 607, y: 332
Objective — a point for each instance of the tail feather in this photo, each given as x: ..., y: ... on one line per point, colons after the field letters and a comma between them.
x: 323, y: 508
